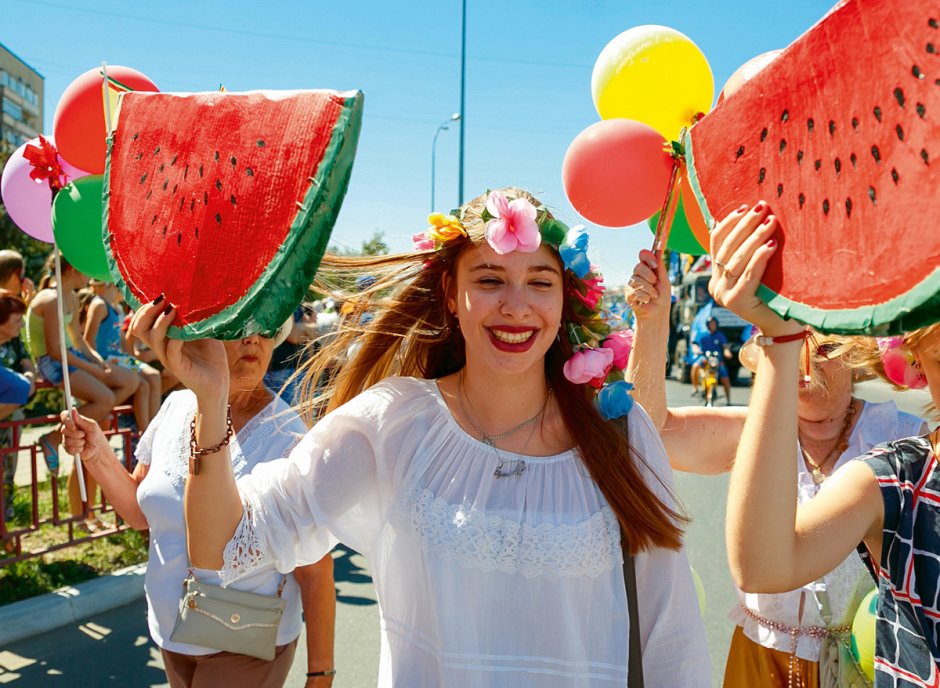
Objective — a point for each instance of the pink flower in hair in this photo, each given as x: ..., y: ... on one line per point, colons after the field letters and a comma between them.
x: 899, y: 364
x: 513, y: 227
x: 589, y: 365
x: 595, y: 289
x: 421, y: 242
x: 621, y: 343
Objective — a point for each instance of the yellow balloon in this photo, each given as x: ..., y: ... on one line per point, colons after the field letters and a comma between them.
x: 863, y: 634
x: 655, y: 75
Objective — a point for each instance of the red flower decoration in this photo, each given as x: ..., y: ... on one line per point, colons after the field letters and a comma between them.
x: 46, y: 165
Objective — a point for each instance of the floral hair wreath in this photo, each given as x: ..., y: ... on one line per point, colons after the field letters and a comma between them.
x: 600, y: 354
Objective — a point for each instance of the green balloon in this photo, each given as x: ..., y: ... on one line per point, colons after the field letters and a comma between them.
x: 681, y: 238
x: 76, y: 226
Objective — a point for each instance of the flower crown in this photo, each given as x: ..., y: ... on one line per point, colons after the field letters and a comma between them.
x: 600, y: 354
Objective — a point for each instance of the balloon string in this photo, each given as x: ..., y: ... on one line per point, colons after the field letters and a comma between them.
x: 670, y: 203
x: 65, y: 363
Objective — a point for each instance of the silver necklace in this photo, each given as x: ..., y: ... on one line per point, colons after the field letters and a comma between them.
x: 518, y: 465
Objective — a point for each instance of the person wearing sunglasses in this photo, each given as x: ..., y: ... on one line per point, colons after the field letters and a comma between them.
x: 834, y: 427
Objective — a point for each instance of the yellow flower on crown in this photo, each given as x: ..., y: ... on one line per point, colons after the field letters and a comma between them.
x: 444, y: 228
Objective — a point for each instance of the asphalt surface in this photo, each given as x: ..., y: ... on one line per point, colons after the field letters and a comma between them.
x: 113, y: 648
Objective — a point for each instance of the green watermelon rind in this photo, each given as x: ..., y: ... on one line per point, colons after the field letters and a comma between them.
x: 909, y: 311
x: 282, y: 285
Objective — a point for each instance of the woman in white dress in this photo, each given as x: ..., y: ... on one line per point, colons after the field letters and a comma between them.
x: 151, y: 497
x: 485, y: 488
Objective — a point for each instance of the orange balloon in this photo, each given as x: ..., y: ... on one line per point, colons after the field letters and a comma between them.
x: 693, y: 213
x: 746, y: 72
x: 79, y: 123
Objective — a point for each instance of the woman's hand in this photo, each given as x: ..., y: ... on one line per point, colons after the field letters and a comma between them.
x: 83, y: 436
x: 741, y: 246
x: 647, y: 291
x: 201, y: 365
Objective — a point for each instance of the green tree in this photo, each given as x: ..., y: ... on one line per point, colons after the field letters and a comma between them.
x: 373, y: 246
x: 34, y: 252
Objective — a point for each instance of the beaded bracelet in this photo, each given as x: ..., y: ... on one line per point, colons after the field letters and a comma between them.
x: 196, y: 453
x: 325, y: 672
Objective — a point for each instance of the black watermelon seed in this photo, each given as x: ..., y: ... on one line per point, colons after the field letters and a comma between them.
x: 182, y: 200
x: 160, y: 169
x: 826, y: 207
x: 855, y: 122
x: 217, y: 156
x: 175, y: 187
x: 166, y: 183
x: 877, y: 112
x: 871, y: 193
x: 260, y: 143
x: 895, y: 176
x: 875, y: 153
x: 139, y: 156
x: 931, y: 48
x: 817, y: 164
x: 763, y: 135
x: 185, y: 172
x: 173, y: 159
x: 832, y: 128
x: 197, y: 232
x: 899, y: 96
x: 218, y: 218
x: 134, y: 137
x: 250, y: 172
x: 232, y: 199
x: 149, y: 191
x: 154, y: 220
x: 156, y: 150
x: 200, y: 170
x: 179, y: 238
x: 921, y: 110
x: 799, y: 157
x: 761, y: 175
x: 218, y: 184
x: 854, y: 160
x: 234, y: 161
x: 144, y: 178
x: 915, y: 71
x: 802, y: 200
x: 192, y: 206
x: 738, y: 153
x: 924, y: 156
x: 164, y: 230
x: 779, y: 190
x: 785, y: 116
x: 205, y: 197
x: 848, y: 207
x: 838, y: 165
x: 783, y: 145
x: 936, y: 82
x: 932, y: 23
x: 900, y: 131
x: 810, y: 125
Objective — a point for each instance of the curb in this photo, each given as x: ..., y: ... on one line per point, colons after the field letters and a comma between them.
x: 68, y: 605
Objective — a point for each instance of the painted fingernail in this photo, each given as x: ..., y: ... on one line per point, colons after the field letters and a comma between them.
x: 166, y: 311
x: 772, y: 243
x: 768, y: 220
x: 742, y: 208
x: 158, y: 299
x: 759, y: 208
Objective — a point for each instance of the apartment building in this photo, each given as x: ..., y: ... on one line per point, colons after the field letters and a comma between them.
x: 21, y: 94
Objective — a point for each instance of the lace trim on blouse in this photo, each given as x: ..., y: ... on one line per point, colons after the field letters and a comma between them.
x: 245, y: 552
x: 487, y: 542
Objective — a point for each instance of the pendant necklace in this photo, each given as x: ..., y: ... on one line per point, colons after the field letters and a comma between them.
x: 517, y: 465
x: 842, y: 443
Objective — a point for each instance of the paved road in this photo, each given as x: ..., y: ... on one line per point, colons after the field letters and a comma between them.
x: 114, y: 648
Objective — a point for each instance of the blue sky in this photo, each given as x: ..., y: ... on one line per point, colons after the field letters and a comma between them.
x: 528, y: 79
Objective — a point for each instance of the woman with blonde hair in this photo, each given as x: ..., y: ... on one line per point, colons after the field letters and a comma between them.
x: 465, y: 455
x: 887, y: 500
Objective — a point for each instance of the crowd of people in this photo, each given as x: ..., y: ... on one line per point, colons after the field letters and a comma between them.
x: 452, y: 424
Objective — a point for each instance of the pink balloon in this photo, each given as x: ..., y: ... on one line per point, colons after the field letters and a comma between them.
x: 616, y: 172
x: 746, y: 72
x: 28, y: 202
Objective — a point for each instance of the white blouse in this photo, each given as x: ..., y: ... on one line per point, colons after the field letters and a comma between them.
x: 850, y: 581
x: 481, y: 581
x: 272, y: 433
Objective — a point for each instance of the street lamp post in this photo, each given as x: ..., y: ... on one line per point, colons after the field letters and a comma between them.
x: 443, y: 127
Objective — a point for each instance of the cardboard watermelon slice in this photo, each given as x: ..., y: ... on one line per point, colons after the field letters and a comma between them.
x: 841, y: 135
x: 224, y: 202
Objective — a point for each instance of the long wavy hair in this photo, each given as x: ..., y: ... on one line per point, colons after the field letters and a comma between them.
x: 412, y: 333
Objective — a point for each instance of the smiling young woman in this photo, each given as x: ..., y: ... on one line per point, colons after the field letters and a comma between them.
x: 473, y: 465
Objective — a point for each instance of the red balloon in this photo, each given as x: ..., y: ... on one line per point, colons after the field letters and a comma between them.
x: 79, y: 123
x: 616, y: 172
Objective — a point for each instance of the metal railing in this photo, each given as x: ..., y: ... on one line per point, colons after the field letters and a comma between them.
x: 14, y: 536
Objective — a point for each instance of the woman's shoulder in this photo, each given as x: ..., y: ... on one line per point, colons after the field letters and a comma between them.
x: 906, y: 458
x: 394, y: 394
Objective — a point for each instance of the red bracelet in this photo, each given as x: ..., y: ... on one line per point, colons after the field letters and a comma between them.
x: 761, y: 340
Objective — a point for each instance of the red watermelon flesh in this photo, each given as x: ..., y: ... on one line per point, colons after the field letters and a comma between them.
x: 224, y: 202
x: 840, y: 134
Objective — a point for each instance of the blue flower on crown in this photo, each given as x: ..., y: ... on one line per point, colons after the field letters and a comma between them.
x: 573, y: 251
x: 614, y: 400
